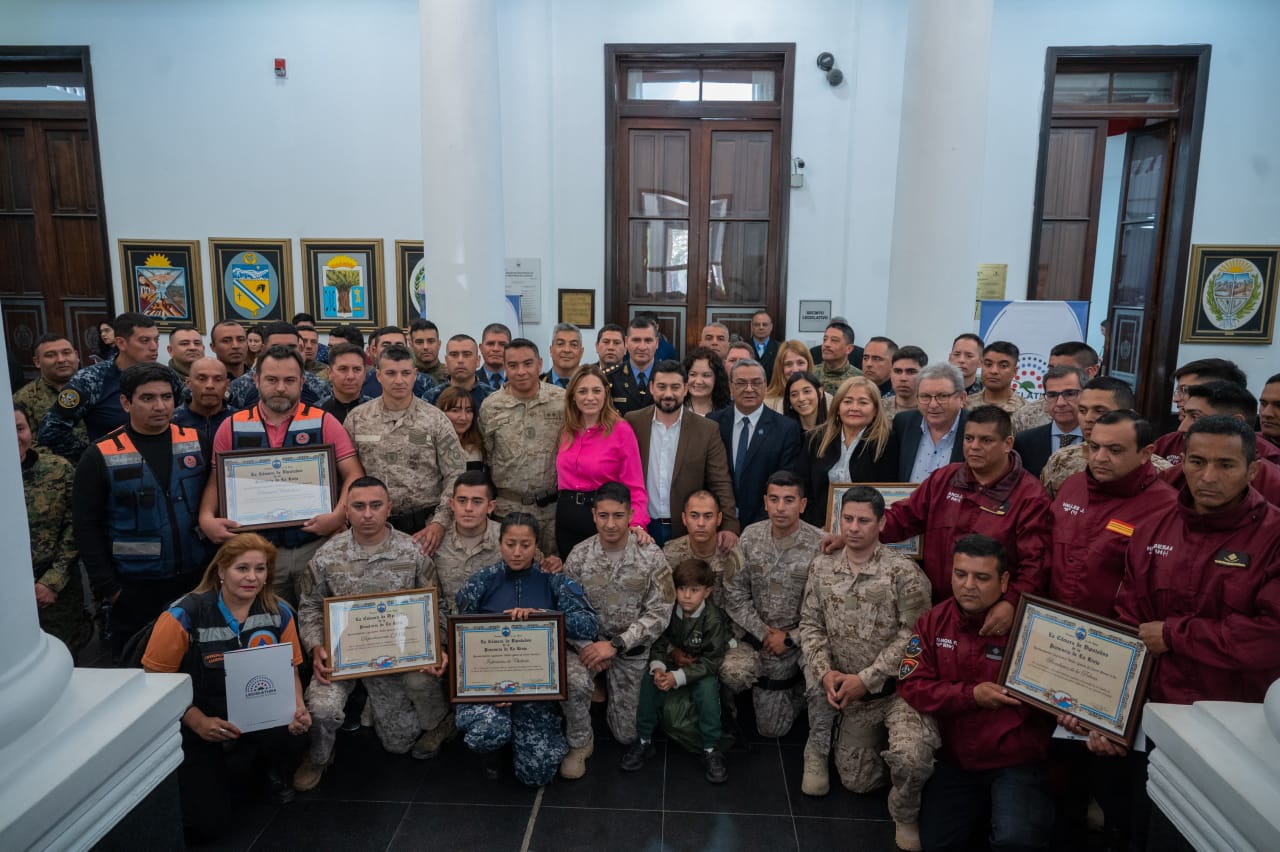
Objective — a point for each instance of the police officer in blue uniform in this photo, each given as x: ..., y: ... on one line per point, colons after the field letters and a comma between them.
x: 93, y: 393
x: 135, y: 506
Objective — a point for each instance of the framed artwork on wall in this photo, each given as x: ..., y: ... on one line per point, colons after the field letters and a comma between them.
x: 1231, y: 295
x: 411, y: 280
x: 343, y: 281
x: 162, y: 281
x: 252, y: 279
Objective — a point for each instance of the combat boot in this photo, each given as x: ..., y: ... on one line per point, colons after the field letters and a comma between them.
x: 309, y: 774
x: 816, y: 780
x: 428, y: 745
x: 907, y: 836
x: 574, y: 764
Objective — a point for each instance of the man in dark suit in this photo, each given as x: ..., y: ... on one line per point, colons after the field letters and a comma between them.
x: 941, y: 416
x: 762, y: 341
x: 629, y: 381
x: 768, y: 443
x: 1062, y: 386
x: 681, y: 453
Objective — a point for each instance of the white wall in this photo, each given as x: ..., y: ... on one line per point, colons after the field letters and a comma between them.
x: 1238, y: 192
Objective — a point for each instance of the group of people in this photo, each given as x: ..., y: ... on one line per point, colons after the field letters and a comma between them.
x: 710, y: 528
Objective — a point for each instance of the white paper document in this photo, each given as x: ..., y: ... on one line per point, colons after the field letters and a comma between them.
x: 260, y: 687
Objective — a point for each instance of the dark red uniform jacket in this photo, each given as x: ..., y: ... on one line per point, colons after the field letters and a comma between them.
x: 1266, y: 481
x: 946, y: 659
x: 1093, y: 523
x: 1214, y: 580
x: 950, y: 504
x: 1173, y: 447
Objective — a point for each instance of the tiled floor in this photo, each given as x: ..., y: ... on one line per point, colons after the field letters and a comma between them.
x: 370, y: 800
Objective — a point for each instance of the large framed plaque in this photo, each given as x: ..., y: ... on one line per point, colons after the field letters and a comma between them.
x: 286, y: 487
x: 892, y: 493
x: 497, y: 659
x: 378, y: 634
x: 1065, y: 660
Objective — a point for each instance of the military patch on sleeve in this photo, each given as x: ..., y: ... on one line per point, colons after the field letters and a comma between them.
x: 572, y: 585
x: 907, y: 667
x: 914, y: 646
x: 69, y: 398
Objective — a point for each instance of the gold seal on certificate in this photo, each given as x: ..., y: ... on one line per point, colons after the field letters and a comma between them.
x: 1065, y: 660
x: 265, y: 489
x: 381, y: 634
x: 497, y: 659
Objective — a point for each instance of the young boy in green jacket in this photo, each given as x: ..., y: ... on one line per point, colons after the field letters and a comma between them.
x: 683, y: 682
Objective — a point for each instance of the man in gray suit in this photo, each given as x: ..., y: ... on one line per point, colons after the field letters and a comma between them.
x: 932, y: 436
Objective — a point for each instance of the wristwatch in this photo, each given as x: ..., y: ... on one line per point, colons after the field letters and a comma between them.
x: 788, y: 641
x: 618, y: 644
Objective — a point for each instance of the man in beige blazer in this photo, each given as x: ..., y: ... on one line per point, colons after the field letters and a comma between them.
x: 682, y: 453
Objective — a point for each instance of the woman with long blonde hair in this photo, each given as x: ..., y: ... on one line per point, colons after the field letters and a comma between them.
x: 596, y: 446
x: 793, y: 357
x: 234, y: 607
x: 855, y: 446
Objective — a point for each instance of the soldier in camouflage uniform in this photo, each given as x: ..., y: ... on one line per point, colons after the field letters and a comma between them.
x: 764, y: 600
x: 629, y: 586
x: 58, y: 361
x: 369, y: 558
x: 409, y: 445
x: 859, y: 608
x: 517, y: 585
x: 702, y: 517
x: 521, y: 429
x: 47, y: 481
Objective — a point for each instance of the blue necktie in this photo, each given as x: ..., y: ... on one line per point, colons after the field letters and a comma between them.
x: 564, y: 383
x: 740, y: 457
x: 642, y: 380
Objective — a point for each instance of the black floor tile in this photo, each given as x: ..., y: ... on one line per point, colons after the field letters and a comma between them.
x: 315, y: 825
x: 755, y: 784
x: 839, y: 803
x: 362, y: 771
x: 729, y: 833
x: 574, y: 829
x: 251, y: 817
x: 607, y: 786
x: 456, y: 777
x: 863, y: 835
x: 451, y: 827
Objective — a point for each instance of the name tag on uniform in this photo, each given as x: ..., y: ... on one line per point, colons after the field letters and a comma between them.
x: 368, y: 439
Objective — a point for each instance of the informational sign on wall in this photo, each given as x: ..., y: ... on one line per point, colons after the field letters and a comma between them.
x: 814, y: 314
x: 524, y: 279
x: 1035, y: 328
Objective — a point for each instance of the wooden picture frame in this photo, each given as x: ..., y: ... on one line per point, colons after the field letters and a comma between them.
x: 162, y: 281
x: 411, y: 280
x: 252, y: 279
x: 343, y: 282
x: 1231, y: 294
x: 577, y: 307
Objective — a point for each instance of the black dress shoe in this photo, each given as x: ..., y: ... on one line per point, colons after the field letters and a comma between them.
x: 636, y: 755
x: 713, y: 762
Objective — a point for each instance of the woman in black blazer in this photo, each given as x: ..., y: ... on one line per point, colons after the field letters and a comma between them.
x: 857, y: 428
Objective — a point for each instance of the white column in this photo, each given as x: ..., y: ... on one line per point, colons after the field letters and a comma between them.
x: 937, y: 206
x: 462, y: 165
x: 34, y: 667
x: 78, y: 748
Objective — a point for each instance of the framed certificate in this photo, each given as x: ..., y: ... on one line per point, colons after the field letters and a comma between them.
x: 286, y: 487
x: 379, y: 634
x: 499, y: 659
x: 892, y: 493
x: 1065, y: 660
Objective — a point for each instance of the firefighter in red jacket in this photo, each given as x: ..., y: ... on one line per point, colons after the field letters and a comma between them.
x: 993, y: 746
x: 988, y: 493
x: 1098, y: 510
x: 1202, y: 581
x: 1095, y: 516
